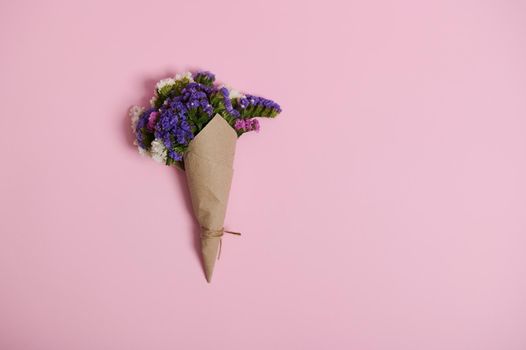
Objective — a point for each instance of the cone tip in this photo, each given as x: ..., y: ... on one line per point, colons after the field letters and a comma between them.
x: 208, y: 275
x: 209, y: 249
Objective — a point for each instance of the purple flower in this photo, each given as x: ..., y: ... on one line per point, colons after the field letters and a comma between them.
x: 204, y: 77
x: 228, y: 103
x: 243, y: 103
x: 141, y: 128
x: 180, y: 136
x: 272, y: 106
x: 185, y: 126
x: 167, y: 141
x: 175, y: 155
x: 193, y: 104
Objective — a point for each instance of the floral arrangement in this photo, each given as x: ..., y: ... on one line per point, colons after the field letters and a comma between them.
x: 194, y: 123
x: 182, y: 106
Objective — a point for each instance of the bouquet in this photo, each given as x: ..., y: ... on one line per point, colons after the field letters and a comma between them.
x: 193, y: 124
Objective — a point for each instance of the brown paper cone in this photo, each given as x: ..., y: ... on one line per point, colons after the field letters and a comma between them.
x: 208, y: 166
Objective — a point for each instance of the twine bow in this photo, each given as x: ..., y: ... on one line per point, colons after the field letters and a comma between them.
x: 206, y: 233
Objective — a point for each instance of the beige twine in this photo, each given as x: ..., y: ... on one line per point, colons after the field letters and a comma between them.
x: 206, y: 233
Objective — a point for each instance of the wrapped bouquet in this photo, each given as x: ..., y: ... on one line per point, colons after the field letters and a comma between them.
x: 193, y: 123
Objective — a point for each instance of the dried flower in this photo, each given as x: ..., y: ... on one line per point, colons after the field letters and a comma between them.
x: 182, y: 106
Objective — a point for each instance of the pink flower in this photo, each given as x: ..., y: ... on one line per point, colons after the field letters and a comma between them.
x: 247, y: 124
x: 255, y: 125
x: 240, y: 124
x: 152, y: 119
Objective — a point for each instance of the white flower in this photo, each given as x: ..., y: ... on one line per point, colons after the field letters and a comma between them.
x: 232, y: 93
x: 235, y: 94
x: 187, y: 75
x: 153, y: 99
x: 164, y: 82
x: 158, y: 151
x: 143, y: 152
x: 135, y: 112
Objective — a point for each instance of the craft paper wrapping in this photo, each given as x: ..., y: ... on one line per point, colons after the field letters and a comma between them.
x: 209, y: 168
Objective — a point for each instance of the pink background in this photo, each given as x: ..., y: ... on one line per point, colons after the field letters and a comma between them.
x: 384, y: 209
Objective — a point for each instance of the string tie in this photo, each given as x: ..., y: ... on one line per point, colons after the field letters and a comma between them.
x: 206, y: 233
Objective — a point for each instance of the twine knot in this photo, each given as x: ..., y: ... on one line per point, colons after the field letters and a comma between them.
x: 207, y: 233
